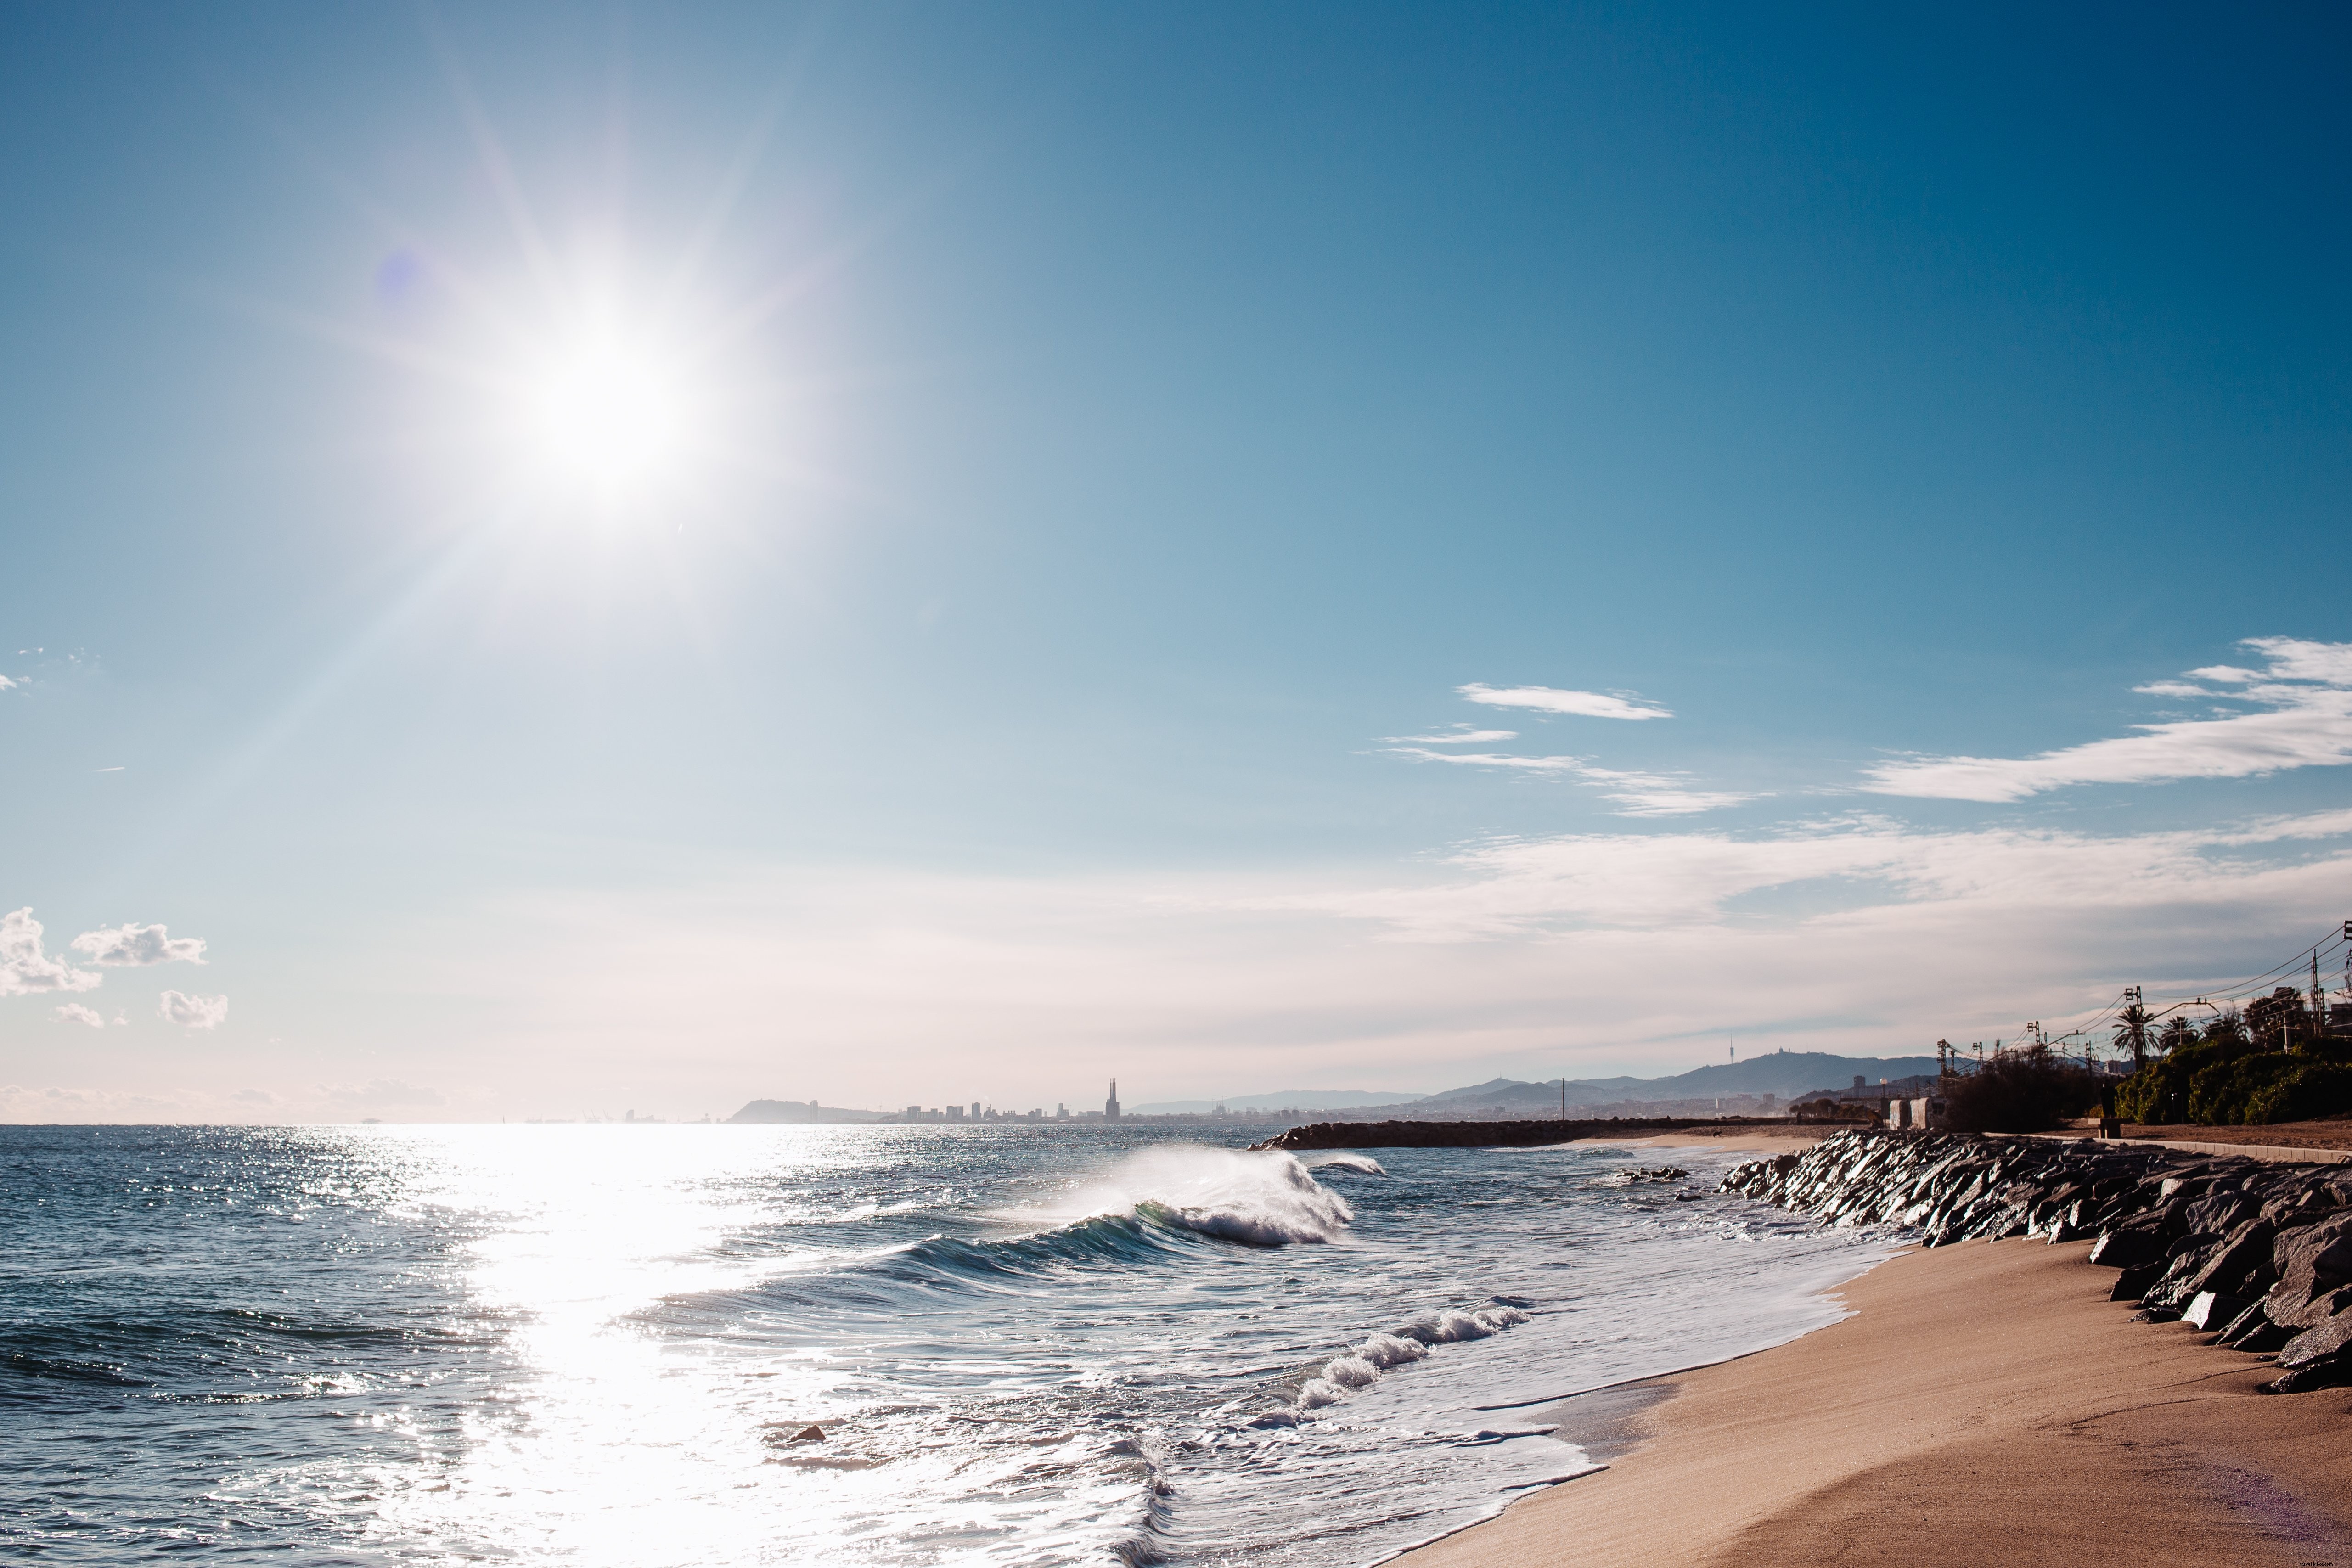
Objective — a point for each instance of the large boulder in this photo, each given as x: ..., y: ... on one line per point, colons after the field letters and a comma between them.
x: 2212, y: 1311
x: 2317, y: 1357
x: 2131, y: 1244
x: 2241, y: 1266
x: 2173, y: 1288
x: 2310, y: 1260
x: 2221, y: 1210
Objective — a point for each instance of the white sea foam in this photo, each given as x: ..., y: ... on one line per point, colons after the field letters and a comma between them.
x: 1265, y: 1198
x: 1362, y: 1367
x: 1342, y: 1160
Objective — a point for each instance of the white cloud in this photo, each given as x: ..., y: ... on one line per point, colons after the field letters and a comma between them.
x: 2303, y: 719
x: 1549, y: 699
x: 1585, y: 954
x: 26, y: 969
x: 9, y: 686
x: 74, y: 1012
x: 1463, y: 735
x: 1635, y: 794
x: 134, y: 944
x: 192, y: 1012
x: 1656, y: 882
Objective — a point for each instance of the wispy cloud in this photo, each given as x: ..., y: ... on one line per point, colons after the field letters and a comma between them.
x: 25, y: 968
x: 74, y: 1012
x: 1463, y: 734
x: 1551, y: 699
x: 1635, y: 794
x: 132, y: 944
x: 192, y: 1012
x: 2301, y: 718
x: 1647, y: 882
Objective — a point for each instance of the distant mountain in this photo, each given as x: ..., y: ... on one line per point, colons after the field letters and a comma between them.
x: 1280, y: 1100
x: 1786, y: 1073
x: 804, y: 1112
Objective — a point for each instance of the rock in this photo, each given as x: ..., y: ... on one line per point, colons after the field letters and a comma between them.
x: 2173, y: 1287
x: 2213, y: 1311
x: 2129, y: 1246
x: 2312, y: 1259
x: 809, y: 1435
x: 2133, y: 1282
x: 2295, y: 1318
x: 2220, y: 1211
x: 2241, y: 1265
x: 2315, y: 1347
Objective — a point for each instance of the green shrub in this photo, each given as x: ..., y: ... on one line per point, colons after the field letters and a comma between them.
x: 2228, y: 1082
x: 2219, y: 1093
x: 2161, y: 1090
x: 2309, y: 1088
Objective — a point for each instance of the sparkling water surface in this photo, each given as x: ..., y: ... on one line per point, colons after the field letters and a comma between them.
x: 1036, y: 1346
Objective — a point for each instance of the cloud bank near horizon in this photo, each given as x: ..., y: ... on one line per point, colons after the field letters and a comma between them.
x: 1581, y: 953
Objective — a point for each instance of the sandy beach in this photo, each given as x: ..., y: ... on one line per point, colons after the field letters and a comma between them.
x: 1986, y: 1404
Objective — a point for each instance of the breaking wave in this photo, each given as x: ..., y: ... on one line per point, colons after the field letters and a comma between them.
x: 1411, y: 1340
x: 1342, y: 1160
x: 1264, y: 1199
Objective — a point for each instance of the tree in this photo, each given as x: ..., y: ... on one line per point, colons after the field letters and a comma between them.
x: 2131, y: 1034
x: 2176, y: 1034
x: 2268, y: 1019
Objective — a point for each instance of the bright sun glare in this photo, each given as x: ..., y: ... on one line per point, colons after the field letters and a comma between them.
x: 606, y: 416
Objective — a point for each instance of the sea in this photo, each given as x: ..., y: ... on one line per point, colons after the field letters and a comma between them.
x: 707, y: 1345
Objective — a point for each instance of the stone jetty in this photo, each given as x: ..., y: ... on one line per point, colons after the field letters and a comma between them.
x: 1487, y: 1135
x: 2258, y: 1253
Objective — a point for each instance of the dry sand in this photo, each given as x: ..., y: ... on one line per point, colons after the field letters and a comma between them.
x: 1987, y: 1406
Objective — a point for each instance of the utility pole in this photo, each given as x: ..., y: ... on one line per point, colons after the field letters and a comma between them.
x: 2319, y: 999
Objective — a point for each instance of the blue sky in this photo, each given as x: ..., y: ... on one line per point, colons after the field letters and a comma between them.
x: 1112, y: 459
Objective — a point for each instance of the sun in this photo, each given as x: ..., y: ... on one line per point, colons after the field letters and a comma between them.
x: 607, y: 415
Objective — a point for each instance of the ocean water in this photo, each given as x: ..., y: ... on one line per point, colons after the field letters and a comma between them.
x: 1035, y: 1345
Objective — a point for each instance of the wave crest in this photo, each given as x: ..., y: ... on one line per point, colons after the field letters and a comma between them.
x: 1262, y: 1199
x: 1362, y: 1367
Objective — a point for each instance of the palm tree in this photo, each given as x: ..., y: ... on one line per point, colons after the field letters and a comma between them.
x: 2131, y: 1034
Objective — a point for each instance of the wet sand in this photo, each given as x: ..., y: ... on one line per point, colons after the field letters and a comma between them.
x: 1793, y: 1139
x: 1985, y: 1404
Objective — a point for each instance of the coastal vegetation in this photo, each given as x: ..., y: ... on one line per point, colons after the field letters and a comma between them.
x: 2031, y: 1090
x: 2271, y: 1063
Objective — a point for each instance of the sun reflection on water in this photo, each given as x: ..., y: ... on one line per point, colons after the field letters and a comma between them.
x: 615, y: 1444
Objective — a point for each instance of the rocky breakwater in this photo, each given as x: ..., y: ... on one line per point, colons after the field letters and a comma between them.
x: 2259, y: 1254
x: 1477, y: 1134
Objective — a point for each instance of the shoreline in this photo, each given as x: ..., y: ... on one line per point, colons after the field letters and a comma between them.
x: 1984, y: 1396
